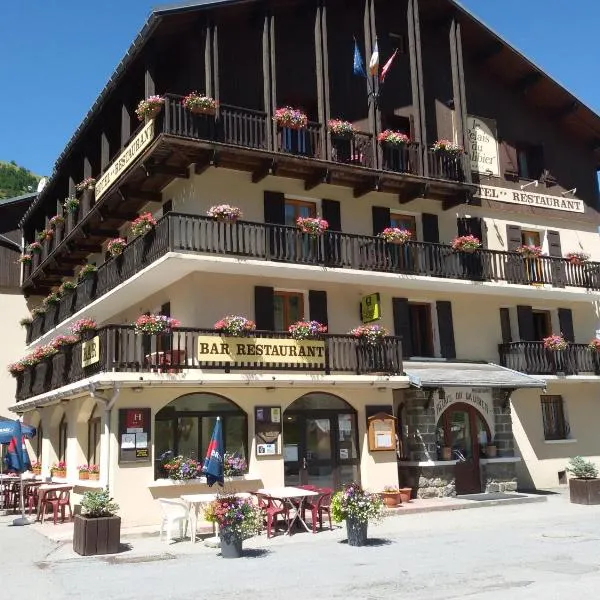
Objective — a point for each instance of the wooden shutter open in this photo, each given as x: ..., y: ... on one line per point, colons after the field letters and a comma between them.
x: 558, y: 267
x: 402, y: 327
x: 331, y: 213
x: 505, y: 326
x: 446, y: 328
x: 381, y: 219
x: 431, y: 232
x: 525, y: 320
x: 274, y: 208
x: 264, y: 310
x: 317, y: 303
x: 565, y: 320
x: 513, y: 237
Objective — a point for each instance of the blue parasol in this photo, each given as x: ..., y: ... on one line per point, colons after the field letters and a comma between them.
x: 213, y: 463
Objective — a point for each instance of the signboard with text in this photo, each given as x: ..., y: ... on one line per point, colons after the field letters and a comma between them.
x: 134, y: 435
x: 483, y: 146
x: 370, y: 308
x: 480, y: 398
x: 90, y: 352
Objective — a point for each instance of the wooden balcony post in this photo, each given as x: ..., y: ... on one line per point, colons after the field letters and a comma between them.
x: 326, y: 97
x: 149, y: 74
x: 208, y: 63
x: 268, y: 80
x: 324, y: 146
x: 125, y: 125
x: 104, y: 151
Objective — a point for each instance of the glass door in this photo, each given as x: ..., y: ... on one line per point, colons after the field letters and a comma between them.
x: 318, y: 455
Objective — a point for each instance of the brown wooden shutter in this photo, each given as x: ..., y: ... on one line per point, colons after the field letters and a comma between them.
x: 317, y: 302
x: 554, y: 247
x: 431, y: 232
x: 331, y: 213
x: 381, y: 219
x: 525, y: 320
x: 274, y: 208
x: 402, y: 327
x: 565, y: 320
x: 558, y: 267
x: 505, y: 326
x: 264, y: 310
x: 446, y: 327
x: 165, y: 309
x: 509, y: 163
x: 513, y: 237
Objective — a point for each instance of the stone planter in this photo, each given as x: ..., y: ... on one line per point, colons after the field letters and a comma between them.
x: 391, y: 499
x: 231, y: 544
x: 357, y: 532
x: 584, y: 491
x: 96, y: 536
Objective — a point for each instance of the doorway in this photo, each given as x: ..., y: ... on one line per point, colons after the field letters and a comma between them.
x: 320, y: 442
x: 542, y: 324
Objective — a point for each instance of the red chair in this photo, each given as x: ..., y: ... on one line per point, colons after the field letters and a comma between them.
x: 310, y: 488
x: 321, y: 504
x: 31, y: 498
x: 272, y: 509
x: 62, y: 501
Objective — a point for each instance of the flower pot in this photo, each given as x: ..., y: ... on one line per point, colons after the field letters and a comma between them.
x: 405, y: 494
x: 60, y: 474
x: 446, y: 453
x: 84, y: 475
x: 584, y: 491
x: 357, y: 532
x: 94, y: 476
x: 391, y: 499
x: 152, y: 112
x: 96, y: 536
x: 36, y: 470
x: 231, y: 544
x: 491, y: 451
x: 200, y: 110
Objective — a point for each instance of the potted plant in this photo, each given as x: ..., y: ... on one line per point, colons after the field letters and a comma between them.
x: 25, y: 322
x: 16, y: 368
x: 45, y: 234
x: 179, y: 468
x: 116, y: 246
x: 578, y: 258
x: 343, y: 130
x: 33, y: 248
x: 52, y: 299
x: 446, y: 453
x: 83, y: 472
x: 60, y: 341
x: 491, y: 450
x: 372, y: 335
x: 59, y: 469
x: 25, y: 259
x: 36, y: 467
x: 38, y: 311
x: 224, y: 212
x: 391, y: 496
x: 88, y: 271
x: 150, y: 107
x: 292, y: 118
x: 395, y: 235
x: 447, y: 147
x: 466, y: 243
x: 83, y: 326
x: 584, y: 485
x: 390, y: 137
x: 94, y: 472
x: 234, y: 465
x: 595, y: 345
x: 313, y: 226
x: 66, y: 287
x: 529, y: 251
x: 405, y: 494
x: 306, y: 330
x: 155, y: 324
x: 89, y: 183
x: 143, y: 224
x: 237, y: 519
x: 71, y: 204
x: 235, y: 325
x: 97, y: 530
x: 357, y: 508
x: 56, y: 221
x: 200, y: 104
x: 555, y: 342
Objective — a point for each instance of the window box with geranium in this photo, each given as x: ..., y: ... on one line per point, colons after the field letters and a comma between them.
x: 234, y: 465
x: 595, y: 345
x: 56, y: 221
x: 51, y: 299
x: 83, y: 471
x: 155, y: 324
x: 116, y: 246
x: 357, y: 507
x: 45, y: 234
x: 341, y: 129
x: 307, y: 330
x: 87, y: 272
x: 25, y: 322
x: 84, y: 327
x: 71, y: 205
x: 529, y: 251
x: 447, y: 147
x: 292, y: 118
x: 25, y: 259
x: 59, y: 469
x: 200, y: 104
x: 466, y: 243
x: 370, y: 334
x: 313, y: 226
x: 578, y: 258
x: 16, y: 368
x: 555, y: 342
x: 393, y: 138
x: 150, y: 107
x: 94, y: 472
x: 237, y: 518
x: 179, y: 468
x: 143, y: 224
x: 60, y: 341
x: 235, y: 326
x: 224, y: 212
x: 34, y: 248
x: 36, y: 467
x: 395, y: 235
x: 89, y: 183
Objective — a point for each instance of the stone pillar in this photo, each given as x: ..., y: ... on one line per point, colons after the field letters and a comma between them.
x: 420, y: 423
x: 504, y: 437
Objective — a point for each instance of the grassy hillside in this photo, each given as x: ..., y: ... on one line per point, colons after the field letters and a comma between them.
x: 15, y: 180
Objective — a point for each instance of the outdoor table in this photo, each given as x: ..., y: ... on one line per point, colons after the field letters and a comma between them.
x: 294, y: 498
x: 48, y: 488
x: 196, y: 501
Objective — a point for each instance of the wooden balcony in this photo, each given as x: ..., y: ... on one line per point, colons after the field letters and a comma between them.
x: 532, y: 358
x: 203, y: 235
x: 120, y: 349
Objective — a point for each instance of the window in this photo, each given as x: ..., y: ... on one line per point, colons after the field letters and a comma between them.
x: 542, y: 324
x: 553, y: 415
x: 530, y: 160
x: 298, y: 208
x: 420, y: 330
x: 288, y: 307
x: 530, y: 238
x: 93, y: 449
x: 62, y: 439
x: 407, y: 222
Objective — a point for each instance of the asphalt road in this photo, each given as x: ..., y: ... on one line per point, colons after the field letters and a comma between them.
x: 547, y: 550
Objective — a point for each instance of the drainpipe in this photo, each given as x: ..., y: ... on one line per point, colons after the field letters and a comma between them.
x: 105, y: 448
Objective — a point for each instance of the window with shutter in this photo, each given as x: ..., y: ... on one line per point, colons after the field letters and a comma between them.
x: 263, y: 308
x: 513, y: 237
x: 402, y: 324
x: 446, y: 328
x: 288, y: 308
x: 274, y: 208
x: 565, y: 320
x: 331, y: 213
x: 431, y: 232
x: 381, y: 219
x: 553, y: 416
x: 505, y: 325
x: 317, y: 305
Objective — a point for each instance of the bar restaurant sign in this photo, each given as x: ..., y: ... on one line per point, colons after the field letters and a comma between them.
x: 483, y: 146
x: 260, y: 350
x: 139, y: 143
x: 480, y: 398
x: 90, y: 352
x: 528, y: 198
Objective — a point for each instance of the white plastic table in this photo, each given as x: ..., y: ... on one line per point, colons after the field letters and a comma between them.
x: 294, y: 498
x: 196, y: 501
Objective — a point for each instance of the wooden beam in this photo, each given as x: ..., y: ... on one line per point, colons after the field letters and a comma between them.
x: 125, y: 125
x: 104, y: 151
x: 267, y: 80
x: 523, y: 84
x: 450, y: 203
x: 267, y: 167
x: 168, y: 170
x: 487, y: 52
x: 321, y: 176
x: 564, y: 111
x: 209, y: 159
x: 142, y: 195
x: 372, y: 185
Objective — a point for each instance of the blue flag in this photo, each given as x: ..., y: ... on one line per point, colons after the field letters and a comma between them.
x: 358, y: 65
x: 213, y: 463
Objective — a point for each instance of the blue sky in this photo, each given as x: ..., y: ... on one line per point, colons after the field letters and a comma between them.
x: 58, y: 54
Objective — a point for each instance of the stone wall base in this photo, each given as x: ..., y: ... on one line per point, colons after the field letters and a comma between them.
x: 428, y: 482
x: 499, y: 477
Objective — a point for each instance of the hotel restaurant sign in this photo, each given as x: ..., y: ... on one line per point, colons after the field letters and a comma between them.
x: 480, y: 398
x: 139, y: 143
x: 260, y: 350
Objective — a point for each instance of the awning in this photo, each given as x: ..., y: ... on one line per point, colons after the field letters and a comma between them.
x: 465, y: 374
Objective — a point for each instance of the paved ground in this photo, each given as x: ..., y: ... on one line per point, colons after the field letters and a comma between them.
x: 545, y: 550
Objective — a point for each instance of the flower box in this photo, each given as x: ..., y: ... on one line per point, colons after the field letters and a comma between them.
x: 341, y: 129
x: 578, y: 258
x: 447, y: 147
x: 200, y: 104
x: 466, y: 243
x: 370, y: 334
x: 584, y: 491
x: 290, y: 117
x: 224, y: 212
x: 393, y: 138
x: 235, y: 325
x: 143, y: 224
x: 555, y: 342
x: 529, y: 251
x: 97, y: 535
x: 312, y: 226
x: 306, y: 330
x: 395, y: 235
x: 149, y: 108
x: 155, y: 324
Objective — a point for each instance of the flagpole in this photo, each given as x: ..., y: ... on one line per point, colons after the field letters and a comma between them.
x: 215, y: 541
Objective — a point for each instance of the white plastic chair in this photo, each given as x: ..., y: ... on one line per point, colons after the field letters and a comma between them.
x: 174, y: 511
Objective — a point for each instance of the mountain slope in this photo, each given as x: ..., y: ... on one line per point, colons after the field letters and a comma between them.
x: 16, y: 180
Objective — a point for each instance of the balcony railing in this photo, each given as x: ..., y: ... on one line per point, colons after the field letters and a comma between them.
x: 119, y: 348
x: 532, y: 358
x: 262, y: 241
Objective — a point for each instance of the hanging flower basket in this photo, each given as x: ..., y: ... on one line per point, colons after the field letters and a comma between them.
x: 25, y: 322
x: 235, y: 325
x: 155, y: 324
x: 83, y: 326
x: 116, y: 246
x: 87, y: 272
x: 371, y: 334
x: 34, y: 248
x: 66, y: 287
x: 56, y: 221
x: 578, y: 258
x: 466, y: 243
x: 447, y: 147
x: 25, y: 259
x: 200, y: 104
x: 51, y: 299
x: 16, y: 368
x: 292, y: 118
x: 393, y: 138
x: 595, y: 345
x: 529, y: 251
x: 224, y: 212
x: 555, y: 342
x: 312, y: 225
x: 149, y: 108
x: 306, y: 330
x: 71, y: 205
x: 341, y: 129
x: 143, y: 224
x: 45, y: 234
x: 395, y: 235
x: 63, y: 340
x: 89, y: 183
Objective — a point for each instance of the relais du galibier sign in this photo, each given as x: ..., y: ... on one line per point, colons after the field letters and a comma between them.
x: 139, y: 143
x: 483, y: 146
x: 260, y: 350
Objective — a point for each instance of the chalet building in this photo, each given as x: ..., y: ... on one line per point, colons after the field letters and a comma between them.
x: 477, y: 399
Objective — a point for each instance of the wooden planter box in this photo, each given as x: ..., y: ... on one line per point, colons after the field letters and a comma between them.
x: 584, y: 491
x: 96, y: 536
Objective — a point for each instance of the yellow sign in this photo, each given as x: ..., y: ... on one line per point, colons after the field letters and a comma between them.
x: 90, y: 352
x: 260, y: 350
x: 133, y: 150
x: 370, y: 308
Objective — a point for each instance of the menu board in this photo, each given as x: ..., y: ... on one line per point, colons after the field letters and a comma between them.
x: 382, y: 432
x: 267, y: 426
x: 134, y: 435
